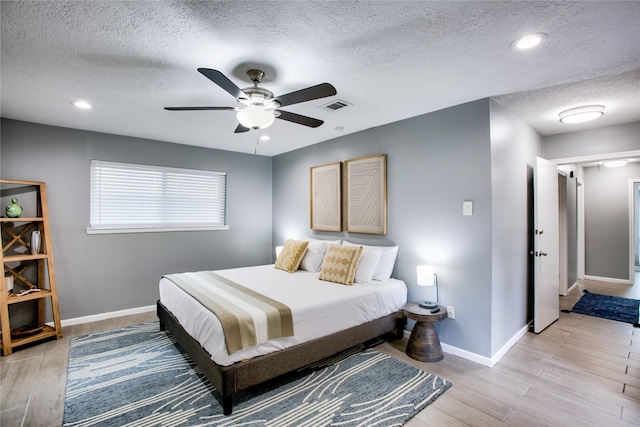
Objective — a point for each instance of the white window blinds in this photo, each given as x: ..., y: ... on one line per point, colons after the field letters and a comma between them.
x: 126, y: 196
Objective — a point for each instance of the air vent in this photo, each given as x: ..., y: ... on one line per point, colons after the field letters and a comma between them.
x: 335, y: 105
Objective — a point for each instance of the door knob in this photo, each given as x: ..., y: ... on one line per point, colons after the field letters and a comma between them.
x: 543, y: 253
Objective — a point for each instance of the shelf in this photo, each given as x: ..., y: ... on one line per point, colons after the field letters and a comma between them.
x: 47, y: 332
x: 21, y: 182
x: 14, y: 298
x: 18, y: 258
x: 22, y: 219
x: 37, y: 271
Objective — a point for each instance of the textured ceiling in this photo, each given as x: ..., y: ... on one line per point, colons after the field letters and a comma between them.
x: 390, y: 60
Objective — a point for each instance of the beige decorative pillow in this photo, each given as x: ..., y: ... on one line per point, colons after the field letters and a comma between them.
x: 291, y: 255
x: 340, y: 264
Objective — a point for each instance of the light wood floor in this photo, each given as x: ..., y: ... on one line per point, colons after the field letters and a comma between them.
x: 580, y: 371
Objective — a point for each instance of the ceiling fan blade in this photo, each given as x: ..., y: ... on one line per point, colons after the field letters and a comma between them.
x: 241, y: 129
x: 299, y: 119
x: 314, y: 92
x: 198, y: 108
x: 221, y: 80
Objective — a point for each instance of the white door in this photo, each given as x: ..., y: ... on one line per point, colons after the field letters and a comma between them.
x: 546, y: 245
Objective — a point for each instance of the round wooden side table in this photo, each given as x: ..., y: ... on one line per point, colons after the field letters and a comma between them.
x: 424, y: 344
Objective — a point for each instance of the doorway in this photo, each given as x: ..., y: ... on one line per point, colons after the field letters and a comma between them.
x: 577, y: 168
x: 568, y: 212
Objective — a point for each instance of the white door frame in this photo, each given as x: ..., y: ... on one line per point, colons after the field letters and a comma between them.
x: 633, y: 232
x: 562, y: 231
x: 580, y: 233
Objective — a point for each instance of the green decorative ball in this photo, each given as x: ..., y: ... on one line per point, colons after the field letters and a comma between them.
x: 14, y: 210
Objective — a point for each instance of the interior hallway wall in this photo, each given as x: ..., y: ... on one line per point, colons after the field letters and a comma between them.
x: 607, y: 232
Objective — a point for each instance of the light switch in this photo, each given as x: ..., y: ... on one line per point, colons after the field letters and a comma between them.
x: 467, y: 207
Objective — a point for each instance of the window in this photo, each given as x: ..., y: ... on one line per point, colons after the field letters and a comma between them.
x: 136, y: 198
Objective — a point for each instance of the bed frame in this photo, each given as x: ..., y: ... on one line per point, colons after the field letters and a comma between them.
x: 228, y: 380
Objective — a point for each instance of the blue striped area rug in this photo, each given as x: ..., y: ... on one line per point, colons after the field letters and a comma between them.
x: 138, y: 376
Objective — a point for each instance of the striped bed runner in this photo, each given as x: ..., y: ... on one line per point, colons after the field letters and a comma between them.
x: 248, y: 318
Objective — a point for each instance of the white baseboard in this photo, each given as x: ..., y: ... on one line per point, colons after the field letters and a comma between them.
x: 104, y: 316
x: 608, y: 279
x: 505, y: 348
x: 476, y: 358
x: 574, y: 286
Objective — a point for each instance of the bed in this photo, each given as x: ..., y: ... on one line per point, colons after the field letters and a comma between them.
x: 327, y: 318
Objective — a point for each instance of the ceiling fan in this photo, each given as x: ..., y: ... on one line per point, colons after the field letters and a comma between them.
x: 258, y: 107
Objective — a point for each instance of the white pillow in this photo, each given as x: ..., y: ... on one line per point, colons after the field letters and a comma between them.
x: 386, y: 263
x: 316, y: 249
x: 367, y: 264
x: 326, y: 242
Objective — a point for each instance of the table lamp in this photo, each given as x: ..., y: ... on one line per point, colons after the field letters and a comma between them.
x: 426, y: 277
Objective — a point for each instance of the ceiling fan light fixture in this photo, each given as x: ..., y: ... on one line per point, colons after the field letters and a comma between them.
x: 257, y: 98
x: 254, y: 117
x: 581, y: 114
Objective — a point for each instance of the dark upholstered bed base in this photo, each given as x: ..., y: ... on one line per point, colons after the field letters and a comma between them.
x: 228, y: 380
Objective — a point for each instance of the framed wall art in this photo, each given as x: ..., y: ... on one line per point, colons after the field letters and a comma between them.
x: 326, y: 197
x: 366, y: 194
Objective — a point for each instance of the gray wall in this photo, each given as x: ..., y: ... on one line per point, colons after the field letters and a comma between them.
x: 605, y: 140
x: 606, y: 205
x: 103, y: 273
x: 434, y: 163
x: 514, y: 147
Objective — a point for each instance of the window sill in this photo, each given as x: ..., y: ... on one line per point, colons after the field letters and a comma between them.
x: 155, y: 229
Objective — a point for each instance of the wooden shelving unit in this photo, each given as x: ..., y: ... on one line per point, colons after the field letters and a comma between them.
x: 35, y: 272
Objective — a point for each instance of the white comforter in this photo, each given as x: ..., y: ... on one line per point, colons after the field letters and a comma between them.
x: 319, y: 308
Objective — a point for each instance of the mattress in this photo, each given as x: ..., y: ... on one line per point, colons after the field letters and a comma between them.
x: 318, y: 308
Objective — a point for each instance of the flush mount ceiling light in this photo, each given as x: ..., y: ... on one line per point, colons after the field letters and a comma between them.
x: 83, y: 105
x: 615, y: 163
x: 581, y: 114
x: 528, y: 41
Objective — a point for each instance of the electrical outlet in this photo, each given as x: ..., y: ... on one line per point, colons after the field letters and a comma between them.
x: 451, y: 313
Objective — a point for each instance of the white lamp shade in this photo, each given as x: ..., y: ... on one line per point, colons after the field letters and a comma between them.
x: 254, y: 117
x: 425, y: 275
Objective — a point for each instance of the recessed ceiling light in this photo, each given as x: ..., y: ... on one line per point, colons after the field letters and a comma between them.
x: 581, y: 114
x: 615, y: 163
x: 528, y: 41
x: 83, y: 105
x: 265, y: 137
